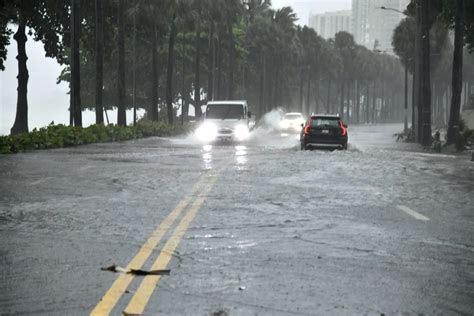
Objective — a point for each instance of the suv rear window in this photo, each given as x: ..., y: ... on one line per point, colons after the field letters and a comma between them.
x: 324, y: 122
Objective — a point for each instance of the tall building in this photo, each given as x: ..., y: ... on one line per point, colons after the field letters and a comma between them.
x: 373, y: 26
x: 382, y: 23
x: 330, y: 23
x: 360, y: 21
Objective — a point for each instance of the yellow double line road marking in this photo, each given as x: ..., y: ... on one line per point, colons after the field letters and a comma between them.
x: 144, y: 292
x: 141, y: 297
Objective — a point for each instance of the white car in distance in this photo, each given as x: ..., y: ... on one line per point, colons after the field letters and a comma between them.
x: 291, y: 122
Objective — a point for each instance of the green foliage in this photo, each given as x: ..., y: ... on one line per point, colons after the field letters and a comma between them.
x: 464, y: 137
x: 436, y: 144
x: 470, y: 104
x: 403, y: 42
x: 59, y: 136
x: 448, y: 17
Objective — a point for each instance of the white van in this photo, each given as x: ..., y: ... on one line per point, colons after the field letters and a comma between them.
x: 226, y: 121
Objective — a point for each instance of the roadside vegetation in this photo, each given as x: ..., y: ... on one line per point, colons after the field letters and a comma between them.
x: 59, y: 136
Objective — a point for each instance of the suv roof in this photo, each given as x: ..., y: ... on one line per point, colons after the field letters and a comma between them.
x: 333, y: 116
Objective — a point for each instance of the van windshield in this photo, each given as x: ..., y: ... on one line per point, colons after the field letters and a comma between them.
x: 225, y: 111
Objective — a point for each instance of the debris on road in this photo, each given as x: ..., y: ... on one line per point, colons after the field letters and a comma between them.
x: 116, y: 269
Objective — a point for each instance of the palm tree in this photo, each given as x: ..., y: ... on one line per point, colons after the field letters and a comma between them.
x: 154, y: 24
x: 345, y: 45
x: 169, y: 81
x: 197, y: 81
x: 121, y: 111
x: 457, y: 72
x: 99, y: 46
x: 285, y: 38
x: 21, y: 119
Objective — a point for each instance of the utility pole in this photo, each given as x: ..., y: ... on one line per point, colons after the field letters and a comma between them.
x: 405, y: 123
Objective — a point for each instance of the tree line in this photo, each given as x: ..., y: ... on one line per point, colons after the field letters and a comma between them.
x: 441, y: 70
x: 170, y: 55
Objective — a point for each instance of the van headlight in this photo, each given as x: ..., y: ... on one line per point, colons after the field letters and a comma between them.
x: 207, y: 132
x: 241, y: 132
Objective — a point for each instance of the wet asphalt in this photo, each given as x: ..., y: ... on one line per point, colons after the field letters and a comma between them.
x: 382, y: 228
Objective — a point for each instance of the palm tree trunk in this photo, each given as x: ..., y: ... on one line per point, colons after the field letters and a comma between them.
x: 169, y: 80
x: 21, y: 119
x: 405, y: 98
x: 154, y: 76
x: 426, y: 80
x: 308, y: 95
x: 374, y: 102
x: 453, y: 127
x: 301, y: 92
x: 219, y: 66
x: 210, y: 77
x: 329, y: 107
x: 121, y: 112
x: 418, y: 76
x: 262, y: 84
x: 414, y: 98
x: 469, y: 91
x: 357, y: 102
x: 348, y: 100
x: 317, y: 94
x: 99, y: 62
x: 383, y: 105
x: 446, y: 113
x: 184, y: 92
x: 197, y: 81
x: 232, y: 61
x: 367, y: 105
x: 341, y: 110
x: 75, y: 63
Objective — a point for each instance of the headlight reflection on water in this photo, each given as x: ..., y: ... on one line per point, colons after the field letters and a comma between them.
x: 241, y: 155
x: 207, y: 157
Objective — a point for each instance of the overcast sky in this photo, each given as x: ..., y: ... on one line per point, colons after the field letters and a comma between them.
x: 49, y: 102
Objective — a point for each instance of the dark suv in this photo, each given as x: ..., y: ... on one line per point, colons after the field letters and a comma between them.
x: 324, y: 131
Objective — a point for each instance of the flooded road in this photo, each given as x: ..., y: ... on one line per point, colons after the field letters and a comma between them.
x: 256, y: 228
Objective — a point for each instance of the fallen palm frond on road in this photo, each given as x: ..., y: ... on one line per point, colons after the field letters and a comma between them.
x: 116, y: 269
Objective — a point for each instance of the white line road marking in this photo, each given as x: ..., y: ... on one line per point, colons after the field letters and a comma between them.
x: 40, y: 181
x: 411, y: 212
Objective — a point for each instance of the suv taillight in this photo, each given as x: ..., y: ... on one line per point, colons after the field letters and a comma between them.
x: 343, y: 129
x: 307, y: 128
